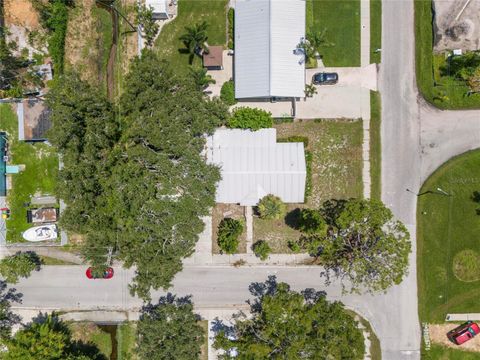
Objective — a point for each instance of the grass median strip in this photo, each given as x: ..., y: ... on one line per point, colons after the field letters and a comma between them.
x: 375, y: 146
x: 375, y: 31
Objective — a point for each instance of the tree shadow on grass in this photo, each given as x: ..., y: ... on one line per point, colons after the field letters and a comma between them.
x: 292, y: 218
x: 476, y: 198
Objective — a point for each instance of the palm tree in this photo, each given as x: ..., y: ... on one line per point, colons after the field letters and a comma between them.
x: 318, y: 39
x: 201, y: 78
x: 195, y: 39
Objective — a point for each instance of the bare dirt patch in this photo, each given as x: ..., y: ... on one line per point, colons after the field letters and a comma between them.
x: 21, y: 13
x: 221, y: 211
x: 88, y: 41
x: 457, y: 25
x: 438, y: 335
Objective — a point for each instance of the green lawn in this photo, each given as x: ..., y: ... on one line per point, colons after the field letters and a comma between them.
x: 375, y: 146
x: 341, y: 19
x: 443, y: 92
x: 446, y: 226
x: 126, y: 337
x: 41, y: 167
x: 438, y: 352
x: 375, y: 30
x: 190, y: 12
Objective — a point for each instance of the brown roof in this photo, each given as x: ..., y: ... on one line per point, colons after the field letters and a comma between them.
x: 214, y: 58
x: 36, y: 119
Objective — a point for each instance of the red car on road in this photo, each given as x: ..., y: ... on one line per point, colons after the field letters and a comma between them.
x: 463, y: 333
x: 106, y: 273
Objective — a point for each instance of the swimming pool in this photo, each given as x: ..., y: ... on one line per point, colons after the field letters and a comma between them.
x: 3, y: 179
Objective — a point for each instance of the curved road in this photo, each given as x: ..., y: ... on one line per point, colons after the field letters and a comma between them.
x: 416, y: 139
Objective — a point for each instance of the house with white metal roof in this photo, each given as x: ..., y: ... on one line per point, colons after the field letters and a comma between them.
x: 268, y: 62
x: 253, y: 165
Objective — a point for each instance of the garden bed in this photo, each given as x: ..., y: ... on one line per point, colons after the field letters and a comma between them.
x: 237, y: 212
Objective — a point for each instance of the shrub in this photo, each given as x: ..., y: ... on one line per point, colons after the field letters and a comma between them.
x: 294, y: 246
x: 231, y: 19
x: 271, y: 207
x: 19, y: 265
x: 227, y: 93
x: 250, y: 118
x: 229, y: 231
x: 262, y: 249
x: 311, y: 222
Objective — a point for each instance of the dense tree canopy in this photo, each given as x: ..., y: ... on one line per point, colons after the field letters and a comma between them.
x: 291, y: 325
x: 7, y: 317
x: 138, y: 184
x: 363, y: 244
x: 48, y: 338
x: 21, y: 264
x: 169, y: 330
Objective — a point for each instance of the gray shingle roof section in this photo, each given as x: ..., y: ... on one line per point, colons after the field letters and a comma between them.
x: 253, y: 165
x: 266, y: 34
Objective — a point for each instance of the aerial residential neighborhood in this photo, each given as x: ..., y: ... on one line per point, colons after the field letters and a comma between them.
x: 239, y: 179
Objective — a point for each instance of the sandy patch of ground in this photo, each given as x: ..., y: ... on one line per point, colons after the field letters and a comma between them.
x: 438, y: 335
x: 21, y: 13
x: 457, y: 24
x: 21, y: 19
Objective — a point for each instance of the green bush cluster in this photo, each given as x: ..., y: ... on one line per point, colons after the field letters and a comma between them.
x: 231, y: 19
x: 21, y: 264
x: 229, y: 230
x: 271, y: 207
x: 262, y: 249
x: 227, y: 93
x: 54, y: 17
x: 250, y: 118
x: 311, y: 221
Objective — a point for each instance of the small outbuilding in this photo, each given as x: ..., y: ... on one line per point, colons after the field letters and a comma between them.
x: 253, y: 164
x: 160, y: 9
x: 33, y: 120
x: 213, y: 60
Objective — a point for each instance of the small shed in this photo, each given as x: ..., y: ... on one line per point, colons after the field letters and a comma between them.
x: 213, y: 60
x: 43, y: 215
x: 160, y: 9
x: 33, y: 120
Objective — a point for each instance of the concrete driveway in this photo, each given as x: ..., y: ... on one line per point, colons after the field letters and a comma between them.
x: 365, y: 77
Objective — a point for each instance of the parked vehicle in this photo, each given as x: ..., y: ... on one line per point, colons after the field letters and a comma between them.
x: 98, y: 274
x: 41, y: 233
x: 463, y: 333
x: 323, y: 78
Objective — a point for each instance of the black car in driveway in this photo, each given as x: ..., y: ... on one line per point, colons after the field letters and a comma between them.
x: 325, y: 78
